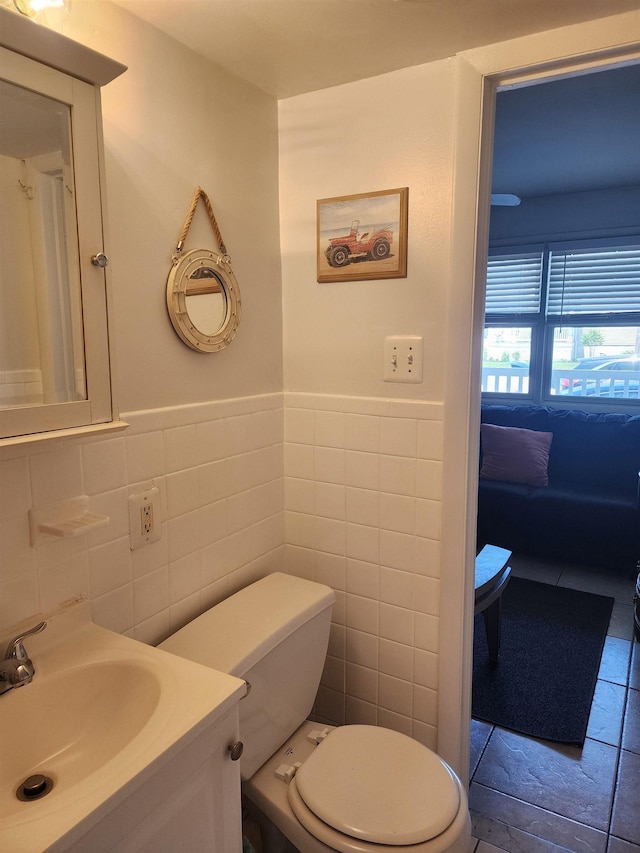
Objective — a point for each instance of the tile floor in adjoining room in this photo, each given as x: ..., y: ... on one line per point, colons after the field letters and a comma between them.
x: 533, y: 796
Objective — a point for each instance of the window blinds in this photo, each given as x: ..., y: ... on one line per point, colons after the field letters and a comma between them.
x: 514, y: 283
x: 587, y: 280
x: 594, y: 281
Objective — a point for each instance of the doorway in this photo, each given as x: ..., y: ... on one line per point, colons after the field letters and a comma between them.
x: 559, y: 220
x: 478, y: 75
x: 564, y: 194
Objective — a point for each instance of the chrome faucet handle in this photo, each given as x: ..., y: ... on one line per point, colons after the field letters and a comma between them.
x: 15, y: 649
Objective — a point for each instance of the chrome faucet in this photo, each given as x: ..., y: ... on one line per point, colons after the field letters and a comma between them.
x: 17, y: 669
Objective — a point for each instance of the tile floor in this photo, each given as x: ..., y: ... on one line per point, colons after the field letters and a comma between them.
x: 531, y: 796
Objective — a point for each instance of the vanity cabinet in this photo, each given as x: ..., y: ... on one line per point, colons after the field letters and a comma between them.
x: 189, y: 800
x: 55, y: 354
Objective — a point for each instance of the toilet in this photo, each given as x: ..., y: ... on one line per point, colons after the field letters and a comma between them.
x: 352, y: 788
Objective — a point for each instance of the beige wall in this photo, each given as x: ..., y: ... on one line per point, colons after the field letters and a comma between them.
x: 172, y: 122
x: 363, y: 458
x: 421, y: 128
x: 396, y: 130
x: 206, y: 429
x: 380, y: 481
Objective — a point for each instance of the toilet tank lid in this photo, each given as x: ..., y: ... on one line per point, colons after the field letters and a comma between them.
x: 236, y: 633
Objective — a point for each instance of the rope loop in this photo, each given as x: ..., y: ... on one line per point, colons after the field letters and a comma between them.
x: 199, y: 194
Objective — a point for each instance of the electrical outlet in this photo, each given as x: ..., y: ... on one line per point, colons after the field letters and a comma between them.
x: 144, y: 518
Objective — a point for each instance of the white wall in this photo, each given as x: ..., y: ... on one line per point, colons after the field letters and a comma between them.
x: 420, y: 128
x: 363, y: 458
x: 207, y: 429
x: 390, y: 131
x: 172, y: 122
x: 380, y: 477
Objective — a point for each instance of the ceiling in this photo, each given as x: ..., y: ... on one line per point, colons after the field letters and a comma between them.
x: 571, y: 135
x: 565, y: 136
x: 289, y: 47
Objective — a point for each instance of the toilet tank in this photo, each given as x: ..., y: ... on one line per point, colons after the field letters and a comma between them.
x: 273, y: 634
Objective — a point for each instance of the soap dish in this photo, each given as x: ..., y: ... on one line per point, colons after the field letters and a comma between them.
x: 65, y: 519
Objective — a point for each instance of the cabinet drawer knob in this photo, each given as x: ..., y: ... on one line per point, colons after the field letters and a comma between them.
x: 236, y: 749
x: 100, y: 260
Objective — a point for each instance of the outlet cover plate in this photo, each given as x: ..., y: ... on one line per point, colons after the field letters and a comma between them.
x: 144, y: 518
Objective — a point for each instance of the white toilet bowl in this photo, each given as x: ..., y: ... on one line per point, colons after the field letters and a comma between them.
x: 352, y: 789
x: 361, y: 789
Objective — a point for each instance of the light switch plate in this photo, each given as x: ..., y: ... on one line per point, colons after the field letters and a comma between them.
x: 403, y: 356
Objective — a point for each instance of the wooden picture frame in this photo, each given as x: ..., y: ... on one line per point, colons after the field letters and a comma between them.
x: 364, y: 236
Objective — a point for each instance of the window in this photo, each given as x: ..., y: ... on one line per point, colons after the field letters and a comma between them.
x: 563, y: 319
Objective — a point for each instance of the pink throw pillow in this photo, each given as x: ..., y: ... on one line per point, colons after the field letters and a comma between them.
x: 515, y: 455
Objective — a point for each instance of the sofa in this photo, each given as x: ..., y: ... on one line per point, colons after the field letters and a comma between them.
x: 561, y: 484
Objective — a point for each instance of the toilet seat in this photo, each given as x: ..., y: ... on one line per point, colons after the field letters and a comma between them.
x: 366, y: 786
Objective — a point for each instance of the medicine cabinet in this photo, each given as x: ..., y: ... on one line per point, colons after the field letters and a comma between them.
x: 55, y: 360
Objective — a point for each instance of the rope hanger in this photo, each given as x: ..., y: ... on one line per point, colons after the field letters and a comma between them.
x: 199, y: 273
x: 200, y: 194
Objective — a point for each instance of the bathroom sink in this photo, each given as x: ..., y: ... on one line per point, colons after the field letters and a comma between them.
x: 80, y: 720
x: 101, y: 710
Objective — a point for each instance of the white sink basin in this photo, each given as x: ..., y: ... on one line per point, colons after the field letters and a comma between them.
x: 101, y: 708
x: 81, y: 721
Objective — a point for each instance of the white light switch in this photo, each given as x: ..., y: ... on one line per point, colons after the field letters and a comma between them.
x: 403, y: 358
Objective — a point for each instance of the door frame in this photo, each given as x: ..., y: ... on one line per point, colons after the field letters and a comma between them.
x: 478, y: 75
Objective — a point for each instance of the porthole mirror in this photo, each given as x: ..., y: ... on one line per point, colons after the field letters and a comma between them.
x: 203, y: 299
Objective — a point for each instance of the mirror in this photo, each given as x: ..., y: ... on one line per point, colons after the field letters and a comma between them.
x: 41, y: 335
x: 206, y: 300
x: 55, y: 360
x: 203, y: 300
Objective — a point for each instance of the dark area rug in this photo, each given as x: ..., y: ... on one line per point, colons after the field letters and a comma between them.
x: 551, y: 644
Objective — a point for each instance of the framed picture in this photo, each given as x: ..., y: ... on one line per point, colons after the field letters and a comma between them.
x: 363, y: 236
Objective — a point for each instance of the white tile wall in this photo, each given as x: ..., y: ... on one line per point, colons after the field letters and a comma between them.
x: 351, y: 485
x: 219, y: 470
x: 363, y: 485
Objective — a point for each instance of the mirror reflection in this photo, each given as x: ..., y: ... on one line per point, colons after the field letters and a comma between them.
x: 41, y: 339
x: 206, y: 300
x: 203, y: 300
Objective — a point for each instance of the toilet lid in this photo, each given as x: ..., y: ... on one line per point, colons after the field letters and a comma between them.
x: 378, y: 785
